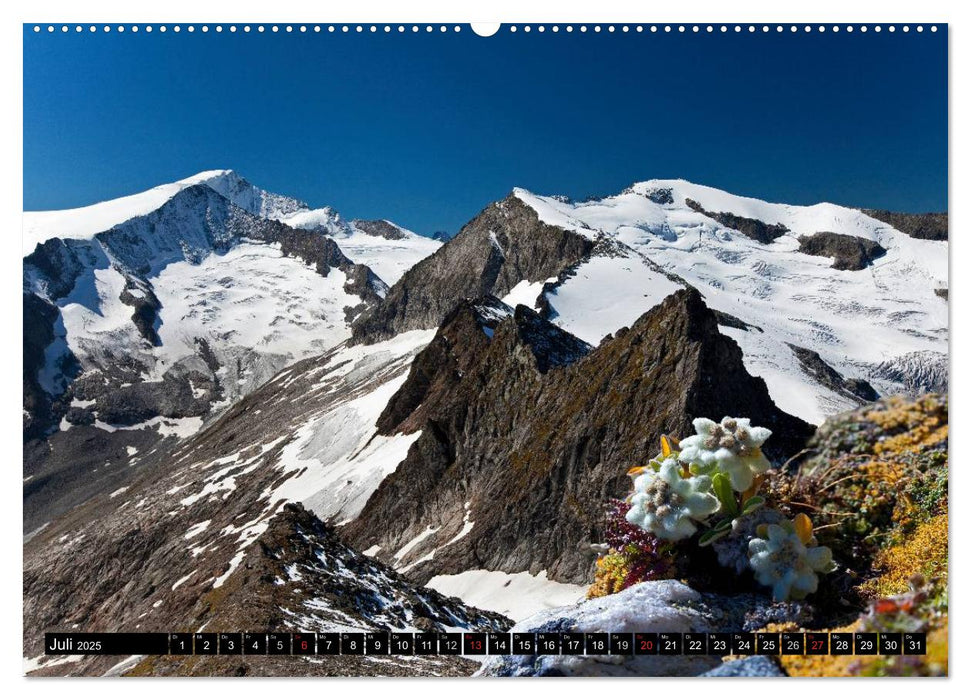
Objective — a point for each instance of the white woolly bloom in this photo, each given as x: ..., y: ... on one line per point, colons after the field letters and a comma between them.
x: 667, y: 504
x: 784, y: 563
x: 733, y: 447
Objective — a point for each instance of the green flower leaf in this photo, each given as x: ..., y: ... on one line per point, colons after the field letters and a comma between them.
x: 710, y: 536
x: 752, y: 504
x: 723, y: 525
x: 722, y: 486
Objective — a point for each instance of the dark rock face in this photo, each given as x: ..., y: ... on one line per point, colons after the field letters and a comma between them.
x: 60, y: 263
x: 379, y: 228
x: 551, y: 347
x: 660, y: 195
x: 146, y: 305
x: 503, y: 245
x: 814, y: 365
x: 726, y: 319
x: 931, y: 226
x: 850, y: 252
x: 39, y: 318
x: 172, y: 398
x: 439, y: 368
x: 530, y: 455
x: 753, y: 228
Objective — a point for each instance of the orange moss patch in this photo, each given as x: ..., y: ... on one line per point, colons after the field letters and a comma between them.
x: 910, y: 425
x: 612, y: 570
x: 828, y: 666
x: 925, y: 552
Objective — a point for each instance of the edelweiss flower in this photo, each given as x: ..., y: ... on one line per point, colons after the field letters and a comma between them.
x: 784, y: 562
x: 666, y: 504
x: 733, y: 447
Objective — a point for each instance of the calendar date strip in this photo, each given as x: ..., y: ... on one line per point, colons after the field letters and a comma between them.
x: 486, y: 644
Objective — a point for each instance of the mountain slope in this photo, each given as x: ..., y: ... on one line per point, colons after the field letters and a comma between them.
x: 527, y: 433
x: 200, y: 535
x: 296, y: 576
x: 503, y: 246
x: 85, y: 222
x: 382, y: 245
x: 771, y: 266
x: 144, y: 331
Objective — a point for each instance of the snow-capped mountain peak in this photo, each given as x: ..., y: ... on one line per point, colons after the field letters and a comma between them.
x: 151, y: 314
x: 823, y: 277
x: 682, y: 203
x: 85, y: 222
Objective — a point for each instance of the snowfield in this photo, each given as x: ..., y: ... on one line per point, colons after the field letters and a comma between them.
x: 517, y: 596
x: 251, y: 297
x: 390, y: 259
x: 336, y: 459
x: 855, y: 319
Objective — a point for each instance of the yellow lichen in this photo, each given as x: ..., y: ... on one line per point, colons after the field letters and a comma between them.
x: 910, y: 425
x: 923, y: 553
x: 612, y: 570
x: 936, y: 659
x: 819, y: 666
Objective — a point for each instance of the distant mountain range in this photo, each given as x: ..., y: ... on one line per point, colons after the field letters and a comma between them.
x: 215, y: 374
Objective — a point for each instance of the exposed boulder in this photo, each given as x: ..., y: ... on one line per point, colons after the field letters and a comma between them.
x: 752, y: 228
x: 652, y: 606
x: 655, y: 606
x: 849, y: 252
x: 747, y: 667
x: 812, y: 364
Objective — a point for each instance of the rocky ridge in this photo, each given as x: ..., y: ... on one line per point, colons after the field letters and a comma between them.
x: 505, y: 244
x: 526, y: 435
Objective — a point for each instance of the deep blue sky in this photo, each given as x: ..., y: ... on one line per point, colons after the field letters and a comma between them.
x: 426, y: 129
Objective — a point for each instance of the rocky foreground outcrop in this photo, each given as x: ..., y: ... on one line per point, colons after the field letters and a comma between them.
x: 653, y: 606
x: 875, y: 482
x: 526, y: 433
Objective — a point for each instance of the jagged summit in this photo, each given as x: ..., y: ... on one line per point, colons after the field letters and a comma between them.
x: 503, y: 246
x: 524, y: 437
